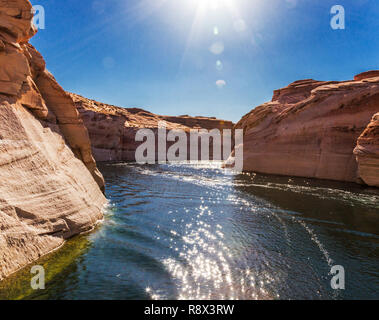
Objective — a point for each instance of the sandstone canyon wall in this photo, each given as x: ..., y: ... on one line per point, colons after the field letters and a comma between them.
x: 113, y: 129
x: 50, y: 188
x: 311, y: 128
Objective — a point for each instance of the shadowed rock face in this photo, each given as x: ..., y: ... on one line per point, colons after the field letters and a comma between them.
x: 113, y: 129
x: 50, y: 188
x: 310, y: 129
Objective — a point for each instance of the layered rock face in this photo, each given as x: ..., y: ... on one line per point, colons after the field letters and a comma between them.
x: 310, y: 129
x: 50, y: 188
x: 113, y: 129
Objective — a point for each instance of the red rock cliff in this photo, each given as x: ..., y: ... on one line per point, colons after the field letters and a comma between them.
x: 310, y: 129
x: 113, y: 129
x: 50, y: 188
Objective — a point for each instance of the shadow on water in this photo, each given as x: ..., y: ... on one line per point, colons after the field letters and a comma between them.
x: 347, y: 206
x: 341, y: 219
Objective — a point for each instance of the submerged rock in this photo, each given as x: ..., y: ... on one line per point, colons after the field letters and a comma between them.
x: 50, y: 187
x: 310, y: 129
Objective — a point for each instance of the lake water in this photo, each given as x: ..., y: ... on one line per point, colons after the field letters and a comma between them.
x: 198, y: 232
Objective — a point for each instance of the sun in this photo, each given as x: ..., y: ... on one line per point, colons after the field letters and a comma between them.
x: 204, y: 8
x: 212, y: 4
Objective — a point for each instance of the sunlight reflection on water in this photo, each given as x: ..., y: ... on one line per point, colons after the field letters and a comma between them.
x: 180, y: 231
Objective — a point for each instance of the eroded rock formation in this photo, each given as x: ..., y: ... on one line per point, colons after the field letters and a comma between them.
x: 50, y: 188
x: 310, y: 129
x: 113, y: 129
x: 367, y: 152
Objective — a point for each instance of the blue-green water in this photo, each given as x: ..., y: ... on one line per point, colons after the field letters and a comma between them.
x: 197, y: 232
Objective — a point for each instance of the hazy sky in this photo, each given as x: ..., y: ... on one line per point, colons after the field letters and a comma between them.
x: 202, y: 57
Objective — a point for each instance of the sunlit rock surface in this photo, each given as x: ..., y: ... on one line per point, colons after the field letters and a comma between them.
x: 113, y: 129
x: 50, y: 188
x: 367, y: 152
x: 310, y: 129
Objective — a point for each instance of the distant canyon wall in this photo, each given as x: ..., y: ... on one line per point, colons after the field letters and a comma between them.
x: 113, y: 129
x: 50, y: 187
x: 317, y: 129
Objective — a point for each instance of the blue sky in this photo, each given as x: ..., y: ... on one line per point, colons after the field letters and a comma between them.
x: 166, y: 56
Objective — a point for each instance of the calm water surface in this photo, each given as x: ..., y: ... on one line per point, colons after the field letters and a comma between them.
x: 198, y: 232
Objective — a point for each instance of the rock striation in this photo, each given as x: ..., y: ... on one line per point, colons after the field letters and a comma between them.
x: 311, y: 128
x: 113, y: 129
x: 50, y: 187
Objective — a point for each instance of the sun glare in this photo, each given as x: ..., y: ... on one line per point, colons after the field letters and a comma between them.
x: 212, y: 4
